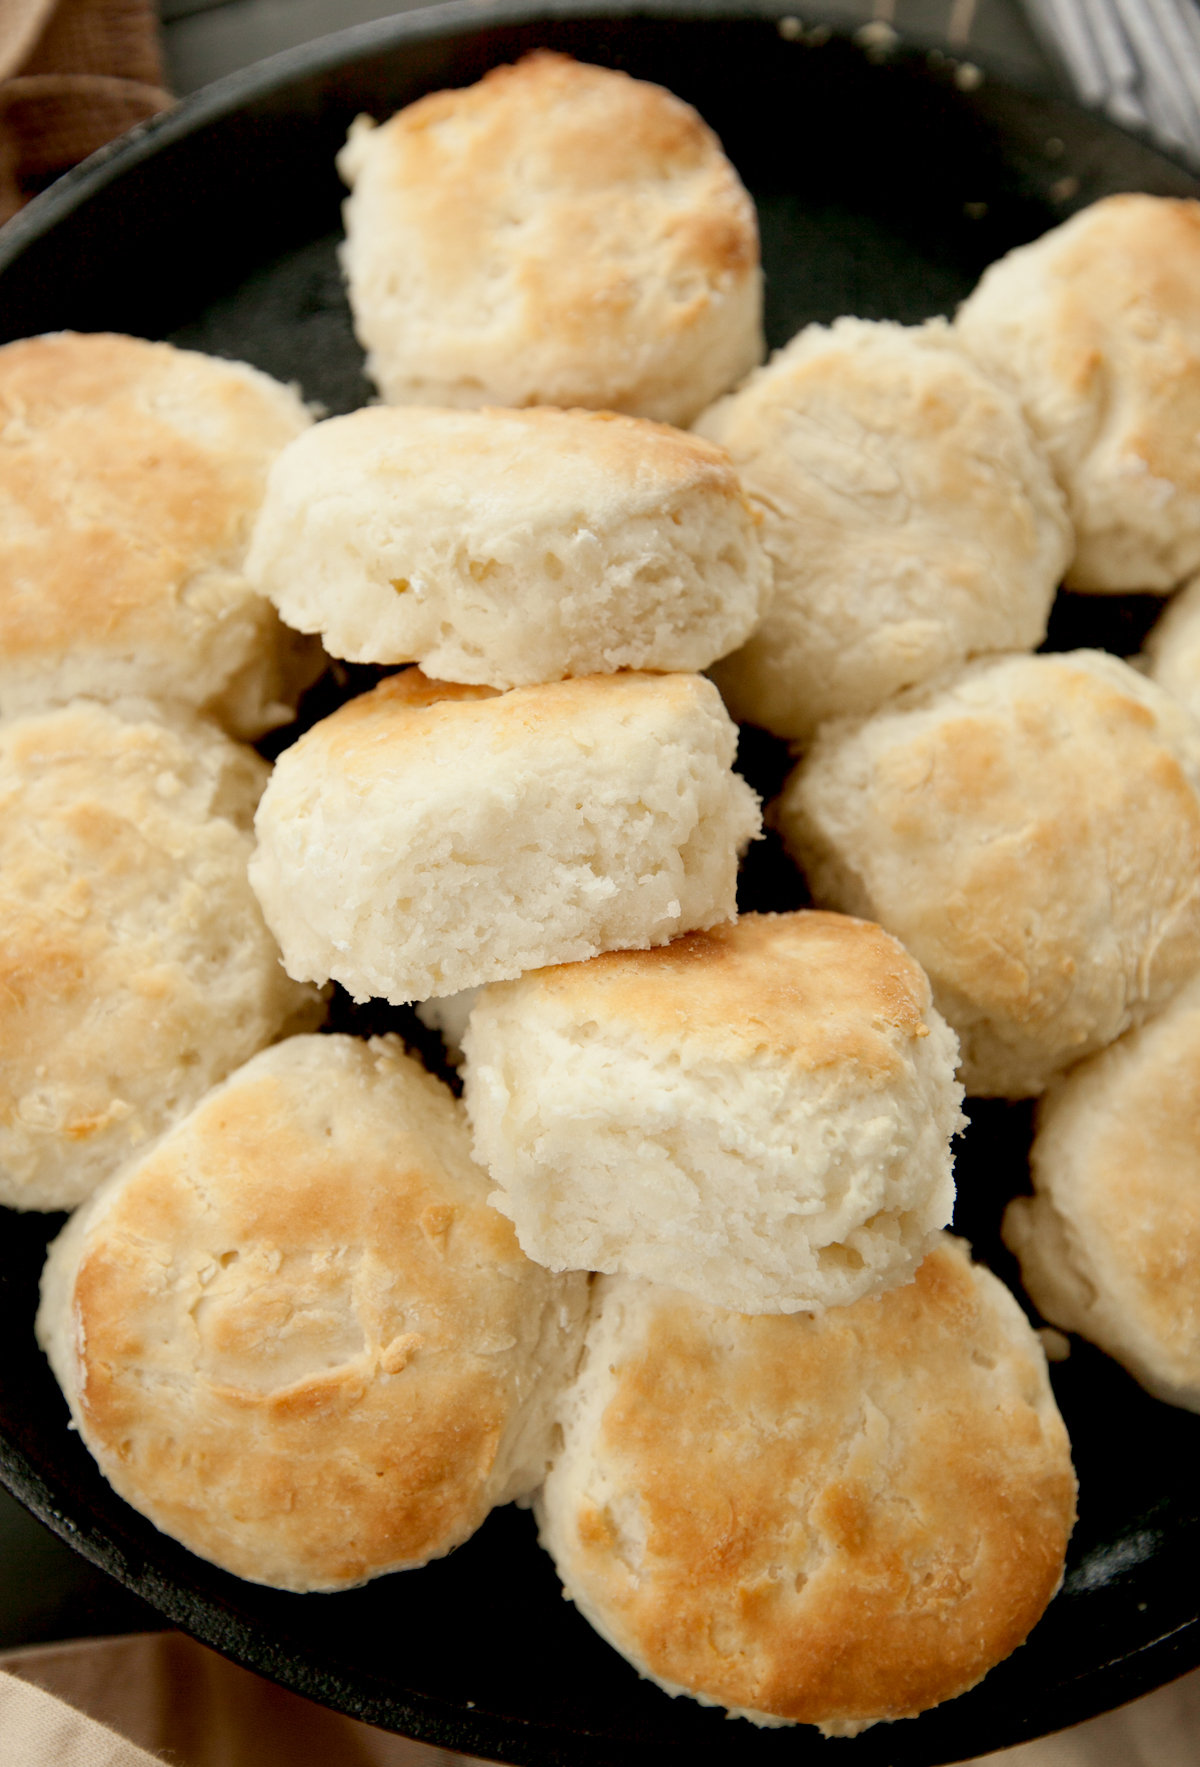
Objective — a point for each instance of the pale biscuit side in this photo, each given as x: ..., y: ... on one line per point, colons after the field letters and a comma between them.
x: 510, y: 547
x: 1109, y: 1243
x: 1172, y: 648
x: 428, y: 838
x: 449, y: 1015
x: 759, y: 1115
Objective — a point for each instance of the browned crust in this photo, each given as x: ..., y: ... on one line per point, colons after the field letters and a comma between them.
x: 327, y: 1245
x: 847, y: 1518
x: 367, y: 733
x: 816, y: 989
x: 109, y: 509
x: 600, y: 131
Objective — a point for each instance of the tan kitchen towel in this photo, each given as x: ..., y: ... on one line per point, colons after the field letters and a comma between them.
x: 1160, y: 1730
x: 193, y: 1708
x: 73, y: 75
x: 37, y: 1730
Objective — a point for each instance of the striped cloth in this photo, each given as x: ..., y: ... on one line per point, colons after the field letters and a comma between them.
x: 1137, y: 59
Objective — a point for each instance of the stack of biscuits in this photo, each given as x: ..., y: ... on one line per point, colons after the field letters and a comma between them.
x: 675, y: 1268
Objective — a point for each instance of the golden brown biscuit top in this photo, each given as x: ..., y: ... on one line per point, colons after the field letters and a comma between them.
x: 410, y: 715
x: 838, y: 1517
x: 660, y: 133
x: 296, y: 1316
x: 616, y: 462
x: 816, y: 989
x: 127, y: 470
x: 577, y: 145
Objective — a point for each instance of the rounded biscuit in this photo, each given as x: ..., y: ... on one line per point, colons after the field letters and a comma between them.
x: 1096, y: 328
x: 759, y: 1114
x: 134, y: 963
x: 1109, y: 1243
x: 558, y: 234
x: 295, y: 1336
x: 911, y: 520
x: 1030, y: 830
x: 829, y: 1520
x: 510, y: 547
x: 1172, y: 648
x: 130, y: 474
x: 428, y: 837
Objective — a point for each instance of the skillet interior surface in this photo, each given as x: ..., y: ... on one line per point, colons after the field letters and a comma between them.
x: 885, y: 181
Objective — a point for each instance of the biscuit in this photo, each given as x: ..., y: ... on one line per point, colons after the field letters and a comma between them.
x: 557, y: 234
x: 428, y: 838
x: 1109, y: 1243
x: 1172, y: 649
x: 134, y: 963
x: 1030, y: 831
x: 830, y: 1519
x: 295, y: 1336
x: 759, y: 1115
x: 509, y: 547
x: 130, y: 474
x: 1096, y: 327
x: 911, y: 520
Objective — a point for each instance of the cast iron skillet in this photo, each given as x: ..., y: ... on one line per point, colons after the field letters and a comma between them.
x: 884, y: 188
